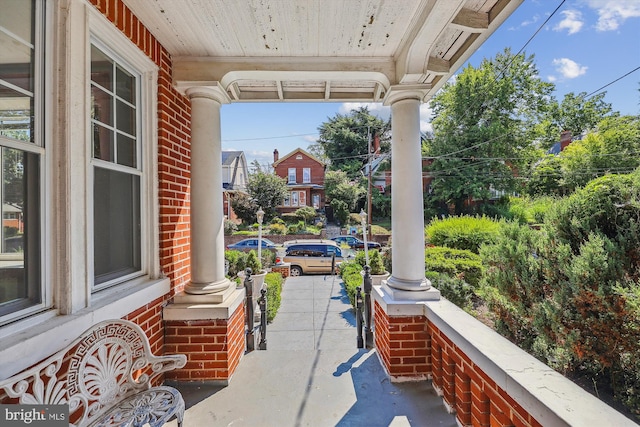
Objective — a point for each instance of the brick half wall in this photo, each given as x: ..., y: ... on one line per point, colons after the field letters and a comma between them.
x: 213, y: 347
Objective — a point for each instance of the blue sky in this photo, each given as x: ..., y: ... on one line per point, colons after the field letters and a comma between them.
x: 585, y: 45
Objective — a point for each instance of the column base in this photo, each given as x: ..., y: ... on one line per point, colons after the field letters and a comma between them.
x: 211, y: 335
x: 401, y: 290
x: 207, y: 288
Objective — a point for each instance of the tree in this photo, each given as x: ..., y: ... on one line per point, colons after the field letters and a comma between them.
x: 344, y: 139
x: 337, y: 186
x: 576, y: 114
x: 482, y: 126
x: 611, y: 147
x: 267, y: 191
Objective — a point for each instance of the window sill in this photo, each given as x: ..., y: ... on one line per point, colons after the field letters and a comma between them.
x: 29, y: 341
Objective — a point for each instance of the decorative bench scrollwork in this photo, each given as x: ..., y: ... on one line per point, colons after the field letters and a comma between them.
x: 109, y: 370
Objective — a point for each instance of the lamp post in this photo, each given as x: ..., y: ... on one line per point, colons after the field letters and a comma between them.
x: 260, y: 217
x: 363, y: 217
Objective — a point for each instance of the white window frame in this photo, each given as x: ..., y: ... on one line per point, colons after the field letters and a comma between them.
x: 291, y: 174
x: 306, y: 175
x: 302, y: 197
x: 287, y: 200
x: 294, y: 198
x: 315, y: 201
x: 67, y: 225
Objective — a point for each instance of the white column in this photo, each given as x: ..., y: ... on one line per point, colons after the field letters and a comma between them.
x: 407, y: 280
x: 207, y: 212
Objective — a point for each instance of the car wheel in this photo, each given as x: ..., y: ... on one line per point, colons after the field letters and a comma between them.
x: 296, y: 271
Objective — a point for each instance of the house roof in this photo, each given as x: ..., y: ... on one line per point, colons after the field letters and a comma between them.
x: 228, y: 157
x: 297, y: 150
x: 319, y: 50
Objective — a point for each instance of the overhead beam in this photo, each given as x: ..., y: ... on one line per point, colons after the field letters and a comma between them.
x: 438, y: 65
x: 470, y: 20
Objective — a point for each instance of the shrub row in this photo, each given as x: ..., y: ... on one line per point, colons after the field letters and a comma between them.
x: 463, y: 232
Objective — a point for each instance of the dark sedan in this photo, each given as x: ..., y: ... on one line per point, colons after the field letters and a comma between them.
x: 246, y: 245
x: 355, y: 243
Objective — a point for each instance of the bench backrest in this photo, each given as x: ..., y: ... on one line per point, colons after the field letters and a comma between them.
x: 107, y: 363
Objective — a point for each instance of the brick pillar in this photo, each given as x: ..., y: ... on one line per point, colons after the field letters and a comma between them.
x: 463, y: 397
x: 213, y: 347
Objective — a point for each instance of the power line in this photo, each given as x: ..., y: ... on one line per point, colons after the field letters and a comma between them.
x: 269, y: 137
x: 612, y: 82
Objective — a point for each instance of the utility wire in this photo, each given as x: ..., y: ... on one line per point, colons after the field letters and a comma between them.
x: 612, y: 82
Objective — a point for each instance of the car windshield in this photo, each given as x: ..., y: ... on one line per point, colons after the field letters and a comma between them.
x: 267, y: 242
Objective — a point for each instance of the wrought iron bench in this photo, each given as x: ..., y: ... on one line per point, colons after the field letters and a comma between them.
x: 109, y: 370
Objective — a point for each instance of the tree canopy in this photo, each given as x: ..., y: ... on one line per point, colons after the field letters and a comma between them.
x: 483, y: 122
x: 344, y: 139
x: 266, y: 191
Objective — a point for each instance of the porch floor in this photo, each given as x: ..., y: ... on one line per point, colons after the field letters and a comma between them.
x: 312, y: 374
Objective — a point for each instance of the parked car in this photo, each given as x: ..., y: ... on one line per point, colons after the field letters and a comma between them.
x: 355, y: 243
x: 247, y: 245
x: 312, y: 256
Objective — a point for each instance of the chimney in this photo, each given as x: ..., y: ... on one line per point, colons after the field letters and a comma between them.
x: 565, y: 139
x: 275, y: 155
x: 376, y: 144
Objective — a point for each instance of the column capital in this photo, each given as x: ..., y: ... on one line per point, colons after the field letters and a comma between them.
x: 210, y: 90
x: 401, y: 92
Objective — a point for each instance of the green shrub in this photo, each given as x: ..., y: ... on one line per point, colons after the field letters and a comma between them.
x: 306, y: 214
x: 273, y: 282
x: 276, y: 220
x: 375, y: 261
x: 237, y: 261
x: 387, y: 260
x: 253, y: 262
x: 290, y: 218
x: 461, y: 264
x: 277, y: 228
x: 463, y: 232
x: 454, y: 289
x: 378, y: 229
x: 351, y: 277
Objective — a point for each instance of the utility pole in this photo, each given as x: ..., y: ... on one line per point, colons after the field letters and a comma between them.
x: 369, y: 185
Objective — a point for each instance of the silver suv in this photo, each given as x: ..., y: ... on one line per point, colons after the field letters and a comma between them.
x: 312, y: 256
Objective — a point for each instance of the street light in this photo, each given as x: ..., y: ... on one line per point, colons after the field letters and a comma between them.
x: 260, y: 217
x: 363, y: 218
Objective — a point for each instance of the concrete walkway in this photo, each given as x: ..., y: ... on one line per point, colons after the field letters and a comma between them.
x: 312, y: 374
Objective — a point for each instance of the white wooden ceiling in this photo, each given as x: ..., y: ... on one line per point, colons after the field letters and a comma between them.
x: 319, y: 50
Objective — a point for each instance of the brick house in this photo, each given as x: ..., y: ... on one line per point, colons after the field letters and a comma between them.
x: 305, y: 179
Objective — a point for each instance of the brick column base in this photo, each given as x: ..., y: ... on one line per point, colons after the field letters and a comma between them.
x: 403, y: 345
x: 213, y: 343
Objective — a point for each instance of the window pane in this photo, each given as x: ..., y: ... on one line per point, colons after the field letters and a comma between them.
x: 116, y: 223
x: 102, y: 143
x: 101, y: 69
x: 125, y: 118
x: 17, y: 17
x: 16, y: 115
x: 126, y: 151
x: 16, y: 63
x: 20, y: 243
x: 125, y: 85
x: 101, y: 106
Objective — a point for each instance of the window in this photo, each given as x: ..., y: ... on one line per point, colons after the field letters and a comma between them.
x: 306, y: 175
x: 292, y: 175
x: 303, y: 198
x: 115, y: 144
x: 316, y: 201
x: 287, y: 201
x: 21, y: 158
x: 294, y: 198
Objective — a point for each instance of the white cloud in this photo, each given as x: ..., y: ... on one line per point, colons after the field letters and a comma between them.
x: 612, y: 13
x: 568, y: 68
x: 572, y: 22
x: 312, y: 139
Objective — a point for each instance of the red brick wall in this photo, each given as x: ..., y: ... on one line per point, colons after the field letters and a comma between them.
x: 317, y: 169
x: 410, y: 346
x: 213, y: 347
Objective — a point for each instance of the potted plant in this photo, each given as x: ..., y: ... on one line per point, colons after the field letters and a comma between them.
x: 257, y: 273
x: 378, y: 273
